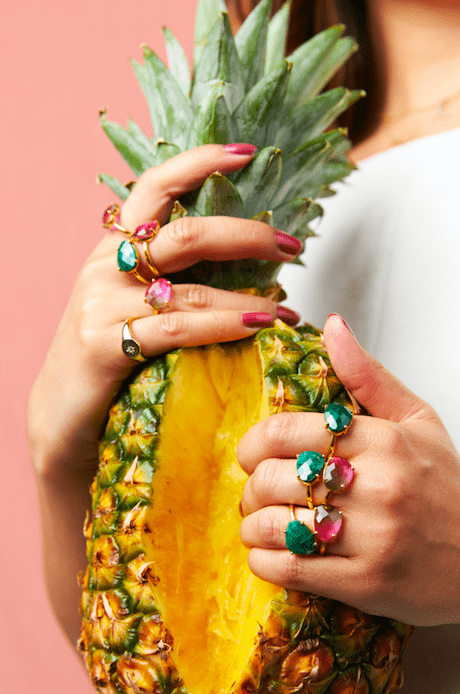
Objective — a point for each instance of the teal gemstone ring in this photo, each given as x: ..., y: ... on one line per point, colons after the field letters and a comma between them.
x: 338, y: 418
x: 299, y: 538
x: 128, y: 260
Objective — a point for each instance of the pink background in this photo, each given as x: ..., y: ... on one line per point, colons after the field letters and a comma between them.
x: 61, y: 63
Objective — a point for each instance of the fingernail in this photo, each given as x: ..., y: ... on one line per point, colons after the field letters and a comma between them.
x: 287, y: 315
x: 240, y: 148
x: 288, y: 244
x: 344, y: 322
x: 257, y: 319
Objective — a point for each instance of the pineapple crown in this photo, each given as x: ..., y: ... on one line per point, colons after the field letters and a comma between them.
x: 242, y: 89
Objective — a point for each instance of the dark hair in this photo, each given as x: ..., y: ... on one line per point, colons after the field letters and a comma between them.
x: 361, y: 71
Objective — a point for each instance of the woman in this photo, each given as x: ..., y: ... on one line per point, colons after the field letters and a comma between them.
x: 405, y: 438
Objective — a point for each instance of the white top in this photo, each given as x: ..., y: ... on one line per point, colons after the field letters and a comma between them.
x: 387, y: 260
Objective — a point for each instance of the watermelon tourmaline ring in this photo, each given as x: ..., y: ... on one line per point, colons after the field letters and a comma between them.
x: 336, y: 473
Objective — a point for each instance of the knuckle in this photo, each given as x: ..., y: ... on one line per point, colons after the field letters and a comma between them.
x: 265, y: 481
x: 276, y: 430
x: 269, y: 528
x: 184, y: 232
x: 290, y: 570
x: 197, y: 296
x: 172, y: 325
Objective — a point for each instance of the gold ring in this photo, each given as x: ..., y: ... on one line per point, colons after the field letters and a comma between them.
x: 130, y: 346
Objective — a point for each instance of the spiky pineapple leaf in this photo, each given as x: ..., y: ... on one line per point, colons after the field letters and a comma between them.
x: 312, y: 118
x: 212, y: 123
x: 219, y: 61
x: 308, y: 72
x: 251, y: 41
x: 207, y: 13
x: 177, y: 61
x: 277, y: 38
x: 218, y: 196
x: 164, y: 151
x: 295, y: 215
x: 340, y: 53
x: 258, y: 181
x: 305, y: 171
x: 134, y: 146
x: 170, y: 109
x: 117, y: 187
x: 258, y: 117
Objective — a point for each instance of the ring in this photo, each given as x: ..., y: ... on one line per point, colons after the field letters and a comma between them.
x: 129, y: 344
x: 158, y: 294
x: 111, y: 218
x: 299, y: 537
x: 128, y: 256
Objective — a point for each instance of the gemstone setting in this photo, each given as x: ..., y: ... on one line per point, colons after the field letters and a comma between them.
x: 328, y: 521
x: 127, y: 257
x: 337, y: 474
x: 299, y: 538
x: 111, y: 216
x: 158, y: 294
x: 310, y: 464
x: 338, y: 418
x: 146, y: 231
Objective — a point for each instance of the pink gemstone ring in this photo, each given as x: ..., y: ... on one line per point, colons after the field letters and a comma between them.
x: 158, y: 294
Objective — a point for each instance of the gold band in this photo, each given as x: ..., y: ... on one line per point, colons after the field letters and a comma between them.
x: 129, y: 344
x: 148, y: 259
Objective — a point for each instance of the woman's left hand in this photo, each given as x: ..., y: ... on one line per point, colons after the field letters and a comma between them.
x: 398, y: 551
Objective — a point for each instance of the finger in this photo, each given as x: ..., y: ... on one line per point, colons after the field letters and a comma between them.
x: 188, y: 240
x: 167, y: 331
x: 154, y: 194
x: 381, y: 393
x: 274, y: 482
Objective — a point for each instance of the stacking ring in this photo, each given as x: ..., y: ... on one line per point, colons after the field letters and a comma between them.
x: 335, y: 472
x: 299, y: 538
x: 129, y: 344
x: 158, y: 294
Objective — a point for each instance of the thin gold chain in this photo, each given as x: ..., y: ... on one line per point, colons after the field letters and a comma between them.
x: 440, y: 107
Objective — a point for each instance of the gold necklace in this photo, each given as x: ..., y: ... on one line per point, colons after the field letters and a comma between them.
x: 440, y: 107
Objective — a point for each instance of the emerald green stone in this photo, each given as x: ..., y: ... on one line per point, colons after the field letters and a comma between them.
x: 309, y: 466
x: 338, y: 417
x: 127, y: 257
x: 299, y: 538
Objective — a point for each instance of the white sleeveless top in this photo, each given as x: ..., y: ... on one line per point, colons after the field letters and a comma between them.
x: 387, y: 259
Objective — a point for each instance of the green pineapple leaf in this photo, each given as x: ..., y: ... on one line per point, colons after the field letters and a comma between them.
x: 212, y: 123
x: 177, y: 61
x: 257, y: 119
x: 218, y: 196
x: 308, y: 72
x: 117, y: 187
x: 294, y: 216
x: 207, y: 13
x: 134, y: 146
x: 164, y: 151
x: 251, y: 42
x: 340, y: 53
x: 219, y: 61
x: 313, y: 117
x: 170, y: 109
x: 259, y: 180
x: 277, y: 38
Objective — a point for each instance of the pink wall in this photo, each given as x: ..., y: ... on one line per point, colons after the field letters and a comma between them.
x: 61, y: 63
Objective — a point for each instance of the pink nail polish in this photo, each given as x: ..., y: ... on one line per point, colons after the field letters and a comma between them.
x: 241, y: 148
x: 288, y: 244
x: 343, y: 321
x: 257, y: 319
x: 287, y: 315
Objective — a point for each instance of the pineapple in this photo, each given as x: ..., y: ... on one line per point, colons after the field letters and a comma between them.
x: 168, y: 603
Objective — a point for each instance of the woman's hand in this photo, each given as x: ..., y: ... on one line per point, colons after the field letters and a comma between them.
x: 398, y: 551
x: 86, y: 366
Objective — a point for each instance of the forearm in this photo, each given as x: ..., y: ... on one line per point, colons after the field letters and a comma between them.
x: 64, y: 500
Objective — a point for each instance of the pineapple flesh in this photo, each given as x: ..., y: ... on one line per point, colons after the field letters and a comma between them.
x: 168, y: 603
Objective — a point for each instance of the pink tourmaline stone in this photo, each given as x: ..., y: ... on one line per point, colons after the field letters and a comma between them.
x: 328, y: 522
x: 146, y: 231
x: 337, y: 474
x: 110, y: 216
x: 158, y: 294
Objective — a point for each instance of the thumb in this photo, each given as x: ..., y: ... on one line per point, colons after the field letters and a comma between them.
x: 375, y: 388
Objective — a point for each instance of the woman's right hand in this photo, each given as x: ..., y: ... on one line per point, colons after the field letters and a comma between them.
x: 86, y: 366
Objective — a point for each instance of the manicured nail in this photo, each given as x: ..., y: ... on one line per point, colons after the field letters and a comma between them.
x: 240, y: 148
x: 344, y: 322
x: 287, y: 315
x: 257, y: 319
x: 288, y: 244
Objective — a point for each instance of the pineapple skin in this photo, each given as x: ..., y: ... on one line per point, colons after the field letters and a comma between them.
x: 308, y: 643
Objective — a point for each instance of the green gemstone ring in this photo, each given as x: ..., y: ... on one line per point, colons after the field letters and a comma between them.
x: 299, y: 538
